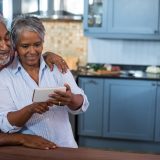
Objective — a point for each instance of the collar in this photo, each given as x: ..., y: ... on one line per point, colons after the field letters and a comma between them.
x: 16, y: 66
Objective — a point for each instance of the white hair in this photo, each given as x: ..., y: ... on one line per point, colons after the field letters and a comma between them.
x: 25, y: 22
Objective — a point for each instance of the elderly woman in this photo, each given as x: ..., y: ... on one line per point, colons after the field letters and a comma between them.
x: 6, y: 57
x: 29, y: 71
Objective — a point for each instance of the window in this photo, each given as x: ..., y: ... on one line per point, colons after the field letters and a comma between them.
x: 29, y: 6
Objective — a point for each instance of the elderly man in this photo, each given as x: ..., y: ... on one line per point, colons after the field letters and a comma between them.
x: 6, y: 57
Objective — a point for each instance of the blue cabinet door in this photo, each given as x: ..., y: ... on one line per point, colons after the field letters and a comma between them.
x: 129, y: 109
x: 133, y: 16
x: 90, y: 122
x: 95, y: 16
x: 122, y: 19
x: 157, y: 128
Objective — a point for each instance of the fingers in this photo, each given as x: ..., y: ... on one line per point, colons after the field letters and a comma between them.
x: 51, y: 66
x: 40, y: 107
x: 62, y: 65
x: 37, y: 142
x: 68, y: 88
x: 42, y: 146
x: 61, y: 98
x: 52, y: 58
x: 46, y: 145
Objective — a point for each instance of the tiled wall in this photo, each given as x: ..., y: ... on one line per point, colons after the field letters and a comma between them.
x: 66, y: 38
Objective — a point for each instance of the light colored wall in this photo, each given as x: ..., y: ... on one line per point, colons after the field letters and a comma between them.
x: 124, y: 52
x: 66, y: 38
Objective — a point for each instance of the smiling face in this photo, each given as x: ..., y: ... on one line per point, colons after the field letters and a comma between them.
x: 5, y: 46
x: 29, y: 48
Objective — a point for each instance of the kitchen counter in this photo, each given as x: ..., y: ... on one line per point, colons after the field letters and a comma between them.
x: 145, y: 76
x: 21, y: 153
x: 124, y: 73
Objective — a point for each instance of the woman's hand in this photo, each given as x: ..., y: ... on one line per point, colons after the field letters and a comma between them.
x: 52, y: 58
x: 73, y: 101
x: 20, y: 117
x: 40, y: 107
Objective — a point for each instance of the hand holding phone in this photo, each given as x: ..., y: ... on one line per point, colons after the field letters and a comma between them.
x: 42, y: 94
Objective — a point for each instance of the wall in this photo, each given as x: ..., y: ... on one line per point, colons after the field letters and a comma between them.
x: 124, y: 52
x: 66, y: 38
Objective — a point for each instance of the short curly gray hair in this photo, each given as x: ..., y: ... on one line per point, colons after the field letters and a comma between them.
x: 26, y: 22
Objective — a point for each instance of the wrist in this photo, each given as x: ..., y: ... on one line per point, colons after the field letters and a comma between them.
x: 76, y: 102
x: 11, y: 139
x: 30, y: 109
x: 20, y: 139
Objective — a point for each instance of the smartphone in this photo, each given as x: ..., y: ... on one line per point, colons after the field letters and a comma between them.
x: 42, y: 94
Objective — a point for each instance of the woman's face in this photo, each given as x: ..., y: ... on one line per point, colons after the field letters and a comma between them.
x: 29, y: 48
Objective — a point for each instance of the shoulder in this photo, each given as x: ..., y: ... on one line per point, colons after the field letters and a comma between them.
x: 4, y: 72
x: 5, y: 75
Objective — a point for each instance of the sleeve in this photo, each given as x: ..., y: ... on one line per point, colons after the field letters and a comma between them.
x: 69, y: 79
x: 6, y: 105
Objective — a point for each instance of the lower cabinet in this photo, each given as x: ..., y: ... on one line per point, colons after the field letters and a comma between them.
x: 91, y: 122
x: 123, y: 114
x: 157, y: 135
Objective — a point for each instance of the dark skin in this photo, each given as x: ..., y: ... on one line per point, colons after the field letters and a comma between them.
x: 30, y: 45
x: 31, y: 141
x: 37, y: 141
x: 52, y: 58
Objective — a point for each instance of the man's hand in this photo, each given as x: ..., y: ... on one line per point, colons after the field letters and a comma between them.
x: 33, y: 141
x: 26, y: 140
x: 52, y: 58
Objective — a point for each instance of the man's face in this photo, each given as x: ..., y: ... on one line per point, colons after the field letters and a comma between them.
x: 5, y: 45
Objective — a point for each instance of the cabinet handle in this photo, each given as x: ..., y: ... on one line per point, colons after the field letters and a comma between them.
x: 92, y: 81
x: 156, y: 32
x: 153, y: 84
x: 85, y: 30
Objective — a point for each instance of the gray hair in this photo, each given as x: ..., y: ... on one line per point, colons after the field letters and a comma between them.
x: 25, y: 22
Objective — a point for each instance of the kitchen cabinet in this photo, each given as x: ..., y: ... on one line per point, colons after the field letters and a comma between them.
x: 123, y: 114
x: 87, y: 127
x: 157, y: 133
x: 129, y: 108
x: 1, y: 8
x: 94, y: 16
x: 122, y: 19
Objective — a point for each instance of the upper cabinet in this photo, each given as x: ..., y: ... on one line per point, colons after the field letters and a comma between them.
x: 94, y: 16
x: 124, y: 19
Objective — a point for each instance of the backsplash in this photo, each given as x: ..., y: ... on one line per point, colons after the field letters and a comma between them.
x: 66, y: 38
x: 132, y: 52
